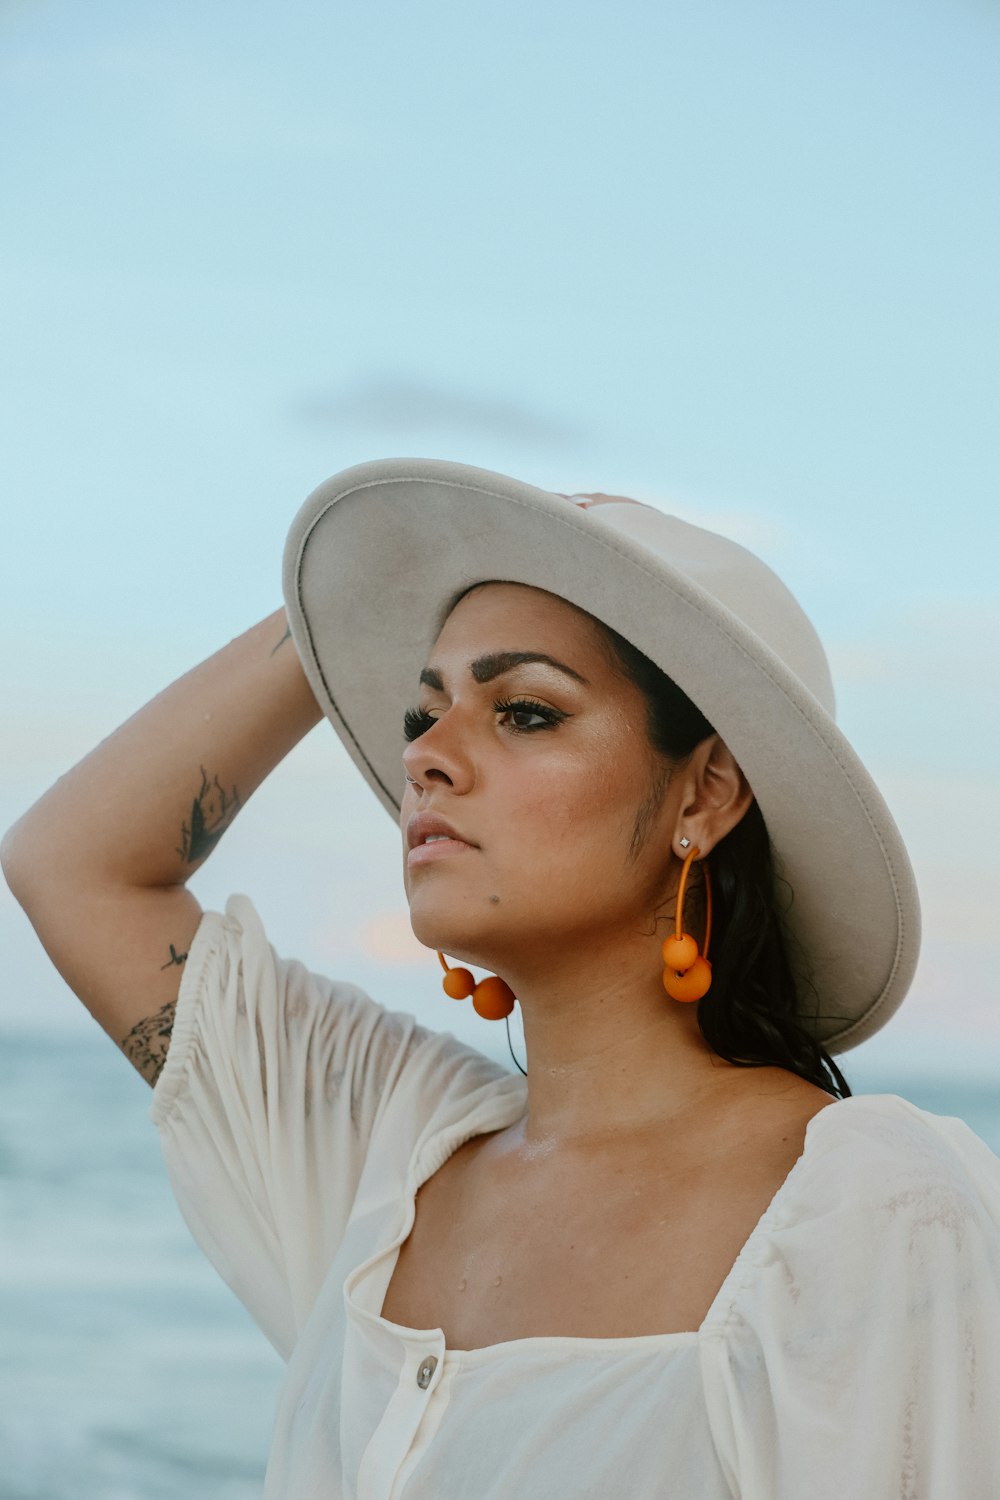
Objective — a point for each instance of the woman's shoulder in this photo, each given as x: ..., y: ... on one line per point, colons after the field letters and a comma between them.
x: 872, y: 1158
x: 860, y: 1342
x: 886, y: 1201
x: 879, y: 1130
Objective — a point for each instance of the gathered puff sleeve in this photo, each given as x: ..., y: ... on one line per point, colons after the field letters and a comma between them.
x: 861, y: 1357
x: 274, y: 1081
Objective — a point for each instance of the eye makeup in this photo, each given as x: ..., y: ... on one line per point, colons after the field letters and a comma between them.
x: 416, y: 721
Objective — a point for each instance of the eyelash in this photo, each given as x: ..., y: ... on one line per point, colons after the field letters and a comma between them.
x: 416, y: 721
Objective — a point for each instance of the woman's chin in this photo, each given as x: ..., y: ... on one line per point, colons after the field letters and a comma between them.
x: 444, y: 938
x: 432, y: 930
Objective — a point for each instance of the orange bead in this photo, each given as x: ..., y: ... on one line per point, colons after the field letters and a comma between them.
x: 679, y: 953
x: 493, y: 998
x: 692, y: 985
x: 458, y: 983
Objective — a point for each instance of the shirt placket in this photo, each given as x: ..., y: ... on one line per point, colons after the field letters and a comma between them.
x: 420, y: 1375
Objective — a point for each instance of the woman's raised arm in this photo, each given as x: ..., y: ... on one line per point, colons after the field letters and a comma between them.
x: 99, y: 862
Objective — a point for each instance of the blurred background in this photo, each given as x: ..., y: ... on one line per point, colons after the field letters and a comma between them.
x: 737, y: 260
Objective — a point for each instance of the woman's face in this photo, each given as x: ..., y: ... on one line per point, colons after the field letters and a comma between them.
x: 566, y: 804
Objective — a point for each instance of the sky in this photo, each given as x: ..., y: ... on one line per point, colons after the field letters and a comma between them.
x: 737, y: 260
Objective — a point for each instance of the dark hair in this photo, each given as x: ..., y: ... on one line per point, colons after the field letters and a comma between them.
x: 750, y: 1016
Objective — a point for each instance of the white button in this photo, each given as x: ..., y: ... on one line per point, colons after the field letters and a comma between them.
x: 426, y: 1371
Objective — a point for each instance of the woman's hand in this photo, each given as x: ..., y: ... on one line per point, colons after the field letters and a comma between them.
x: 584, y: 501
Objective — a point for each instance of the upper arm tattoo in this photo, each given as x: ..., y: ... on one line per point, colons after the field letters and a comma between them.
x: 212, y: 811
x: 147, y: 1043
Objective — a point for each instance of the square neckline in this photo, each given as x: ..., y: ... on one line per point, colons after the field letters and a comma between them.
x: 713, y: 1323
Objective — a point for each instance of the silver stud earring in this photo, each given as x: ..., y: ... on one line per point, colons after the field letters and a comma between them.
x: 685, y: 843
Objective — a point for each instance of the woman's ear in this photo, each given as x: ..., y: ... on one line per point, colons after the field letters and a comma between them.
x: 716, y: 794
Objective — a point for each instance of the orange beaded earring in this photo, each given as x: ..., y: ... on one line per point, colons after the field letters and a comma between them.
x: 492, y: 998
x: 687, y: 975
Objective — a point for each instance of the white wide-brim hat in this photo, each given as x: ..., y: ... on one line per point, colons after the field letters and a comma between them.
x: 375, y: 555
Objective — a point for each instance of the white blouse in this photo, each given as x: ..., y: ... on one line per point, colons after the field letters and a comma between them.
x: 852, y: 1351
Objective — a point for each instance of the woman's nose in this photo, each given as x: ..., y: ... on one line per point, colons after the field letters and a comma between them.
x: 436, y: 755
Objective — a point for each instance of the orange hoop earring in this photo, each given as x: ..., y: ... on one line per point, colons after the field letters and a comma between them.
x: 687, y: 974
x: 492, y: 998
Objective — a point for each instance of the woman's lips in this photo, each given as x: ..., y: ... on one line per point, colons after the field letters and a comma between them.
x: 424, y: 854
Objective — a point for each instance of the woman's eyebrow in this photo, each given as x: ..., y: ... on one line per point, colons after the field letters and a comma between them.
x: 485, y: 668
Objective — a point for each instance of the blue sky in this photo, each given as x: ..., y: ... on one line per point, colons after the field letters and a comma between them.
x: 735, y: 259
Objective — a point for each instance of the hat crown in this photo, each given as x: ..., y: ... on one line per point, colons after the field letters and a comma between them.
x: 737, y: 579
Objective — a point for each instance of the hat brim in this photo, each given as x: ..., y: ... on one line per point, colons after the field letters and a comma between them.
x: 375, y: 554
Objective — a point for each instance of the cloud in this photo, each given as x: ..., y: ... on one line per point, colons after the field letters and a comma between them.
x: 955, y: 989
x: 399, y: 403
x: 938, y: 639
x: 951, y: 823
x: 388, y: 938
x: 344, y: 932
x: 921, y: 689
x: 760, y: 531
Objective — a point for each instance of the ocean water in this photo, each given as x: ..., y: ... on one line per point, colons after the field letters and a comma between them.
x: 128, y: 1370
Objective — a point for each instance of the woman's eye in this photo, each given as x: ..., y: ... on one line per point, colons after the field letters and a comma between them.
x: 416, y: 721
x: 524, y: 706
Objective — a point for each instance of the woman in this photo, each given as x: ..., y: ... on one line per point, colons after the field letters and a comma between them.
x: 677, y: 1257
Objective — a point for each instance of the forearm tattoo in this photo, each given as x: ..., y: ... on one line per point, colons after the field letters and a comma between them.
x: 147, y: 1043
x: 212, y: 811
